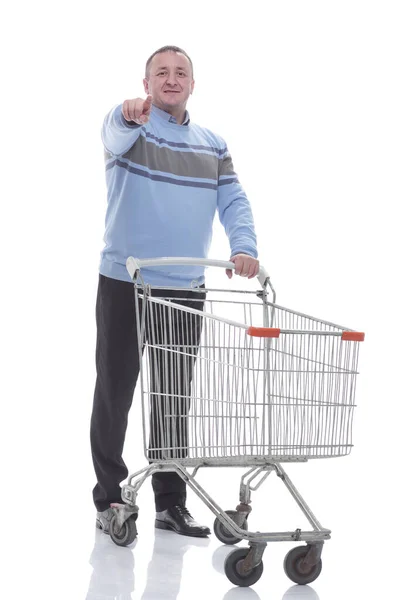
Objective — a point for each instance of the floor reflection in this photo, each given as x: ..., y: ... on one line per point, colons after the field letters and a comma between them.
x: 241, y: 593
x: 164, y: 572
x: 113, y: 570
x: 300, y: 592
x: 113, y: 567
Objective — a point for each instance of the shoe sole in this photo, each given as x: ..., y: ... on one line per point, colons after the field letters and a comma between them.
x: 168, y: 527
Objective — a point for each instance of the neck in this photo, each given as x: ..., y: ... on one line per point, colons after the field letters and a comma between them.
x: 177, y: 112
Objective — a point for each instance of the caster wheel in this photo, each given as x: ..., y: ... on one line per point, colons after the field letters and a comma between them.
x: 126, y: 535
x: 295, y: 568
x: 232, y: 567
x: 223, y: 534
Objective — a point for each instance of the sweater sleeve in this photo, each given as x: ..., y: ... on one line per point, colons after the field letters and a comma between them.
x: 118, y: 134
x: 234, y: 210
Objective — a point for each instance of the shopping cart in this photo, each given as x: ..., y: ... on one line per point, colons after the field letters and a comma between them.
x: 239, y: 381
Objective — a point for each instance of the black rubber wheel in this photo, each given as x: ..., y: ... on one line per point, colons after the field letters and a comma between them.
x: 126, y: 535
x: 232, y: 563
x: 298, y: 572
x: 223, y: 534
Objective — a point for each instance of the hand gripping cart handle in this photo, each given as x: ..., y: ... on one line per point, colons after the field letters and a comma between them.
x: 134, y: 265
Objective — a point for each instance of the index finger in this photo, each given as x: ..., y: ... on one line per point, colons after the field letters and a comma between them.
x: 147, y: 103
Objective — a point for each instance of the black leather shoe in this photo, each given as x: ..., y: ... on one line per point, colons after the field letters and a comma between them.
x: 178, y: 519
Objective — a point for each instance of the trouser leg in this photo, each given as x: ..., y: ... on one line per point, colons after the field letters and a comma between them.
x: 117, y: 364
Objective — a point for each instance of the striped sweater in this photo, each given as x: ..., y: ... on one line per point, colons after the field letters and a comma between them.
x: 165, y: 182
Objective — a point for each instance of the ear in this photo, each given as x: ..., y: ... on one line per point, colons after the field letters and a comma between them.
x: 192, y: 87
x: 146, y: 85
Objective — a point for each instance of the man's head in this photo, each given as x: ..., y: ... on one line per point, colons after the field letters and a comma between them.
x: 169, y: 79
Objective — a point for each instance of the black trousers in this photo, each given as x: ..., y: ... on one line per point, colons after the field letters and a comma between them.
x: 117, y: 363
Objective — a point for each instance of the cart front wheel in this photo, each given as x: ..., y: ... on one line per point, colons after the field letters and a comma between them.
x: 223, y: 534
x: 234, y: 569
x: 126, y: 535
x: 297, y: 569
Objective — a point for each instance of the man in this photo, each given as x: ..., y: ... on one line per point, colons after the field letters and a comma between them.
x: 166, y: 178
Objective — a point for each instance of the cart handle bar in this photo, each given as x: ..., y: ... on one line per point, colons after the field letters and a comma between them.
x: 134, y: 265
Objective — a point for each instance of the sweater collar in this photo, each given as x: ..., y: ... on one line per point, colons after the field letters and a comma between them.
x: 167, y: 117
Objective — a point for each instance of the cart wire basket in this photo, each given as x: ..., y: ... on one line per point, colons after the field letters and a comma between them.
x: 232, y: 379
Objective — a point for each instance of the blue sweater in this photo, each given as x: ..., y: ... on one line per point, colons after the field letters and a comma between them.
x: 165, y: 183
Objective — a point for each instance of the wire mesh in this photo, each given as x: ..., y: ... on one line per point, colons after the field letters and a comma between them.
x: 211, y: 391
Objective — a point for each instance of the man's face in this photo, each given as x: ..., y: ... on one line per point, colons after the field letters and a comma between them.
x: 170, y: 81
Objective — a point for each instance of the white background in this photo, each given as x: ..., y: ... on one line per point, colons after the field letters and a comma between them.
x: 306, y: 94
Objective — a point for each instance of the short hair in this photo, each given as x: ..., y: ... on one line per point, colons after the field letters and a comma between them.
x: 167, y: 49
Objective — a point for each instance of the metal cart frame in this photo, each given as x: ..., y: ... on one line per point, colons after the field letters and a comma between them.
x: 293, y: 401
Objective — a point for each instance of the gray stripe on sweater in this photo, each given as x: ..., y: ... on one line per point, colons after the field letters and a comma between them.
x: 182, y: 164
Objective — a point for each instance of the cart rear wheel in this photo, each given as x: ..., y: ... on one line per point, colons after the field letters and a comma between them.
x: 233, y: 563
x: 297, y: 570
x: 223, y: 534
x: 126, y: 535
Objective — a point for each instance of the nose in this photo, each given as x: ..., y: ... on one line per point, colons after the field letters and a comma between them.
x: 171, y: 79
